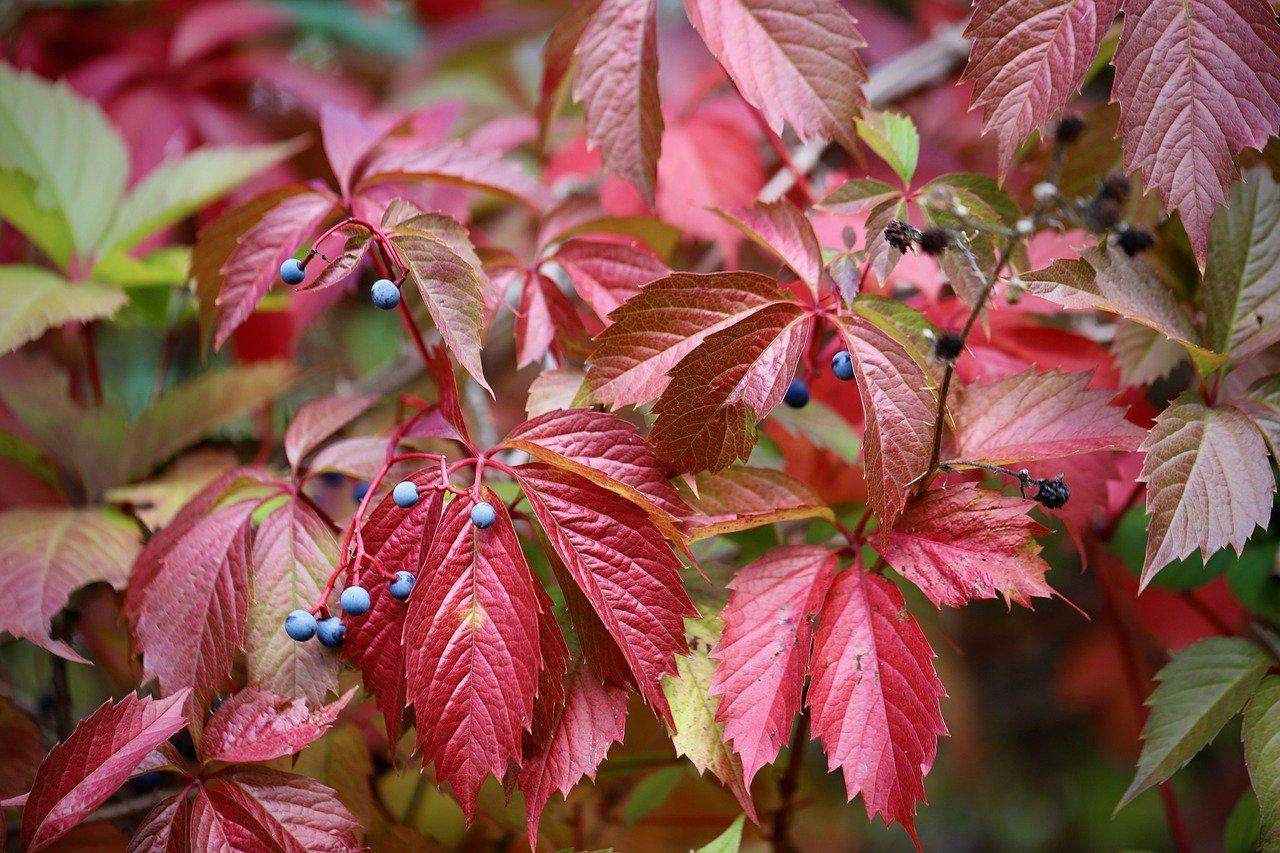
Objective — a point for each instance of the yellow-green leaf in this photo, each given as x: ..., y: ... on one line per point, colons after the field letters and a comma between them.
x: 34, y: 300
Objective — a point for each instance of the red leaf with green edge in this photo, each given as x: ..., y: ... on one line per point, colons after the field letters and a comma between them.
x: 294, y: 553
x: 653, y: 331
x: 254, y: 265
x: 454, y: 294
x: 604, y: 449
x: 901, y: 405
x: 373, y: 642
x: 47, y: 554
x: 472, y: 650
x: 83, y: 771
x: 348, y: 141
x: 794, y: 60
x: 455, y: 163
x: 617, y: 82
x: 707, y: 415
x: 258, y: 725
x: 624, y: 567
x: 1241, y: 286
x: 874, y: 695
x: 546, y: 315
x: 1197, y: 82
x: 191, y: 611
x: 1028, y: 59
x: 608, y: 274
x: 782, y: 228
x: 1039, y: 416
x: 21, y: 749
x: 963, y: 542
x: 558, y: 57
x: 764, y: 650
x: 341, y: 270
x: 317, y: 420
x: 1208, y: 483
x: 592, y: 718
x: 742, y: 497
x: 256, y: 808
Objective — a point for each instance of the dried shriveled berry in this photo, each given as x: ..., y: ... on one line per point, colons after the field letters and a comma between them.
x: 1070, y: 129
x: 949, y: 345
x: 900, y: 235
x: 1135, y: 240
x: 934, y: 241
x: 1053, y: 493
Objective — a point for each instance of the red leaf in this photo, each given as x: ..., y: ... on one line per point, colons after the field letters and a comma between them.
x: 592, y: 718
x: 901, y: 403
x: 166, y: 829
x: 442, y: 374
x: 604, y: 449
x: 1197, y: 82
x: 545, y: 314
x: 707, y: 415
x: 1028, y: 59
x: 1039, y: 416
x: 454, y: 163
x: 348, y: 141
x: 962, y: 542
x: 794, y: 60
x: 873, y: 697
x: 211, y: 26
x: 319, y: 419
x: 558, y: 57
x: 623, y: 566
x: 743, y: 497
x: 764, y: 650
x: 255, y: 808
x: 473, y: 651
x: 254, y: 265
x: 80, y: 773
x: 617, y: 81
x: 608, y: 274
x: 783, y: 229
x: 652, y: 332
x: 256, y: 725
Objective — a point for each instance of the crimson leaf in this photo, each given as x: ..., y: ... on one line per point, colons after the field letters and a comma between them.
x: 455, y: 163
x: 783, y: 229
x: 319, y: 419
x: 257, y: 725
x: 608, y: 274
x: 743, y: 497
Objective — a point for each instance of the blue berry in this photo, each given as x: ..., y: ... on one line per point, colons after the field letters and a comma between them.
x: 332, y: 478
x: 402, y: 585
x: 385, y: 294
x: 355, y: 600
x: 359, y: 490
x: 797, y: 396
x: 300, y: 625
x: 842, y: 365
x: 291, y: 272
x: 331, y: 631
x: 405, y: 494
x: 482, y: 515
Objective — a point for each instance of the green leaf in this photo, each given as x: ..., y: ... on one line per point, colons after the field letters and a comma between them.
x: 1201, y: 688
x: 650, y: 793
x: 1241, y: 834
x: 728, y: 841
x: 72, y: 153
x: 22, y: 452
x: 34, y: 300
x: 1242, y: 272
x: 178, y: 188
x: 167, y: 267
x: 47, y: 229
x: 858, y: 195
x: 894, y: 139
x: 1261, y: 736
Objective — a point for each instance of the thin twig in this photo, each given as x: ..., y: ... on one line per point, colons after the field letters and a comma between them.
x: 787, y: 789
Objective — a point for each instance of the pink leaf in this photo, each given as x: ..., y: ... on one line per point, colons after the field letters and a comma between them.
x: 743, y: 497
x: 348, y: 141
x: 211, y: 26
x: 592, y: 718
x: 1197, y: 82
x: 445, y: 378
x: 47, y: 554
x: 617, y: 82
x: 874, y: 694
x: 764, y: 650
x: 473, y: 651
x: 794, y: 60
x: 1208, y: 483
x: 1028, y: 59
x: 558, y: 57
x: 652, y: 332
x: 317, y: 420
x: 546, y: 315
x: 963, y: 542
x: 608, y: 274
x: 782, y: 228
x: 623, y: 566
x: 256, y: 808
x: 707, y: 415
x: 454, y: 163
x: 1039, y: 416
x: 256, y: 725
x: 80, y: 773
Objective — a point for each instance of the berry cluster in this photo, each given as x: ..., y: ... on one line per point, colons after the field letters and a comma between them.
x: 385, y: 293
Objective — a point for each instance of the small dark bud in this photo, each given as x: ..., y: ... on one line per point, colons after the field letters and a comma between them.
x: 948, y: 346
x: 934, y: 241
x: 1135, y: 240
x: 1104, y: 213
x: 1116, y: 187
x: 1052, y: 493
x: 849, y: 237
x: 1070, y: 129
x: 900, y: 235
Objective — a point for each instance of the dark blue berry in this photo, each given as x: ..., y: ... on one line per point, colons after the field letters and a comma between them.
x: 359, y: 490
x: 402, y: 585
x: 332, y: 478
x: 147, y: 781
x: 385, y: 294
x: 331, y: 631
x: 291, y: 272
x: 797, y: 396
x: 405, y: 494
x: 355, y: 600
x: 300, y: 625
x: 482, y: 515
x: 842, y: 365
